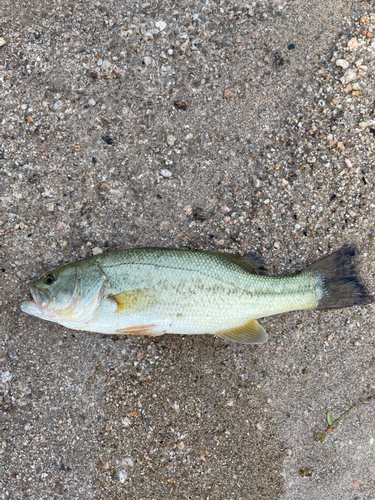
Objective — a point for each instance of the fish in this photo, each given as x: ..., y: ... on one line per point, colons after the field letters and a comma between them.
x: 153, y: 291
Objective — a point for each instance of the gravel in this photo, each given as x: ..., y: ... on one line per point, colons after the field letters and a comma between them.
x: 231, y: 127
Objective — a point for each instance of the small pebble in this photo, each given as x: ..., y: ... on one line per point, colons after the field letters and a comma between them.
x: 92, y: 102
x: 180, y: 105
x: 342, y: 63
x: 229, y: 94
x: 2, y: 41
x: 107, y: 139
x: 171, y: 139
x: 161, y: 25
x: 166, y: 173
x: 122, y: 475
x: 349, y: 76
x: 6, y: 377
x: 353, y: 44
x: 58, y: 105
x: 96, y: 251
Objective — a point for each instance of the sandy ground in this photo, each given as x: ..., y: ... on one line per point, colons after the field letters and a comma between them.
x: 228, y: 126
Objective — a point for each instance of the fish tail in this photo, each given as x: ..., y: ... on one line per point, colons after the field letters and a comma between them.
x: 339, y: 283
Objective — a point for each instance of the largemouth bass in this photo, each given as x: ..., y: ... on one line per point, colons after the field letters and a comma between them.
x: 152, y: 291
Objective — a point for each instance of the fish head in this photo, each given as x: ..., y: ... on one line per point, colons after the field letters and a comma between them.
x: 69, y: 295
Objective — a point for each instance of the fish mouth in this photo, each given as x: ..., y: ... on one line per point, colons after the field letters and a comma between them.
x: 38, y: 304
x: 39, y: 296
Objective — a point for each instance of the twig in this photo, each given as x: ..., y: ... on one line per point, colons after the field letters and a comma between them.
x: 343, y: 415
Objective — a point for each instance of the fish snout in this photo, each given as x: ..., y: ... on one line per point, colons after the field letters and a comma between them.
x: 39, y: 296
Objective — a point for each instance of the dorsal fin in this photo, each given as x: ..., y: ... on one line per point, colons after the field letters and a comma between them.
x: 240, y: 261
x: 256, y: 262
x: 251, y: 262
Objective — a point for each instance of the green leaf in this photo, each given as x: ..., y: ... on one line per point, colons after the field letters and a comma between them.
x: 329, y: 418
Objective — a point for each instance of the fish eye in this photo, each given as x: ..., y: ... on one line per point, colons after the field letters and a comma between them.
x: 49, y: 279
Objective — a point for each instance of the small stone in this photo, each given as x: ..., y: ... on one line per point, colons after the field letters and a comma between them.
x: 106, y: 64
x: 171, y: 139
x: 6, y: 377
x: 349, y: 76
x: 99, y: 62
x: 229, y: 94
x: 341, y: 146
x: 96, y: 251
x: 180, y: 105
x: 92, y: 102
x: 367, y: 34
x: 58, y: 105
x: 199, y: 214
x: 105, y: 186
x: 353, y: 44
x: 189, y: 137
x: 50, y: 207
x: 30, y: 119
x: 106, y: 465
x: 161, y: 25
x: 311, y: 159
x: 107, y: 139
x: 147, y: 60
x: 122, y: 475
x: 224, y: 209
x: 166, y: 173
x: 2, y: 41
x: 365, y: 19
x: 342, y: 63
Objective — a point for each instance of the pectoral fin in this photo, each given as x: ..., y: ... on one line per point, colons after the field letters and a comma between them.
x: 134, y: 300
x: 249, y: 333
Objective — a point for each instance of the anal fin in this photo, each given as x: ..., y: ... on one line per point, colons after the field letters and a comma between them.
x: 249, y: 333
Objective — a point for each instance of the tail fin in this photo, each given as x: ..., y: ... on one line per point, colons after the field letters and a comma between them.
x: 341, y: 285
